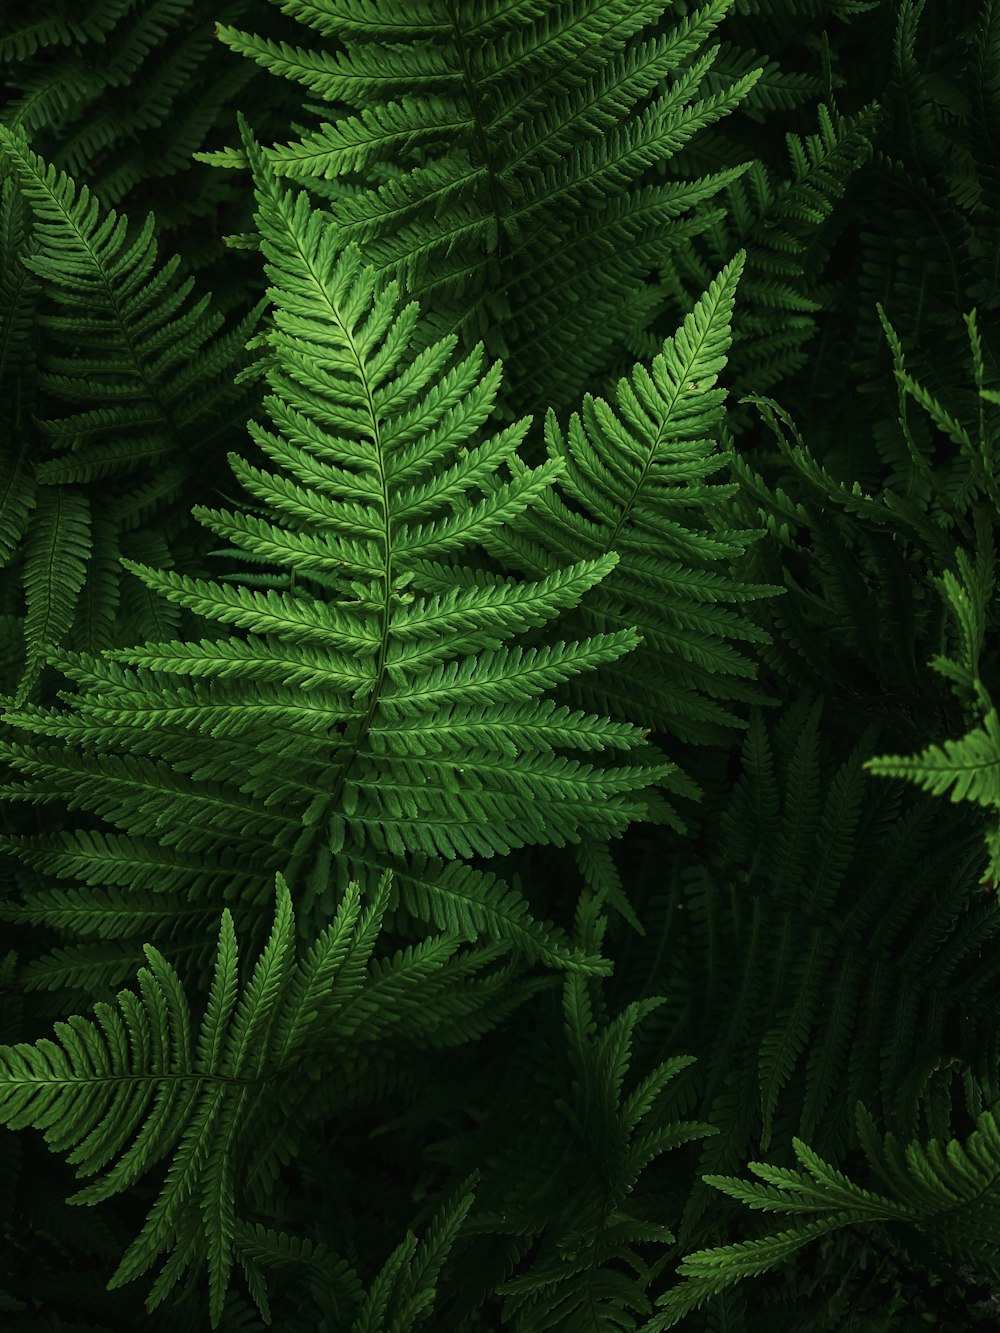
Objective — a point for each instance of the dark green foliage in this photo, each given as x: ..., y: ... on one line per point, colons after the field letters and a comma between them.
x: 636, y: 478
x: 119, y: 94
x: 110, y: 335
x: 497, y: 159
x: 499, y: 665
x: 782, y: 225
x: 383, y: 720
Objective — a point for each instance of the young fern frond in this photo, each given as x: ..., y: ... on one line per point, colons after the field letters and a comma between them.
x: 403, y: 1292
x: 571, y: 1280
x: 967, y: 769
x: 159, y: 375
x: 776, y: 223
x: 571, y: 1179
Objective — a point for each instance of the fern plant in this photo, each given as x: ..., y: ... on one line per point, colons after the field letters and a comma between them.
x: 782, y: 225
x: 580, y: 1159
x: 944, y: 1192
x: 917, y: 239
x: 932, y: 504
x: 496, y: 161
x: 969, y: 768
x: 636, y: 482
x: 375, y: 714
x: 137, y: 1087
x: 118, y: 94
x: 807, y: 884
x: 147, y: 378
x: 454, y: 678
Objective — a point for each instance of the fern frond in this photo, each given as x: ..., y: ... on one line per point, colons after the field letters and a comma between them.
x: 636, y: 483
x: 413, y: 739
x: 150, y: 373
x: 967, y: 769
x: 774, y: 224
x: 495, y: 161
x: 947, y: 1193
x: 403, y: 1292
x: 56, y: 554
x: 822, y: 942
x: 333, y: 1280
x: 130, y: 344
x: 138, y: 1086
x: 571, y: 1177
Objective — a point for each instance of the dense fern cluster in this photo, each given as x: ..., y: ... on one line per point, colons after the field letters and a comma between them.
x: 499, y: 665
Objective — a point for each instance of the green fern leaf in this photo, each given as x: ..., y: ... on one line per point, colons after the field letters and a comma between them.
x: 496, y: 163
x: 946, y: 1192
x: 635, y: 484
x: 132, y: 351
x: 56, y: 554
x: 135, y: 1086
x: 409, y: 743
x: 774, y: 223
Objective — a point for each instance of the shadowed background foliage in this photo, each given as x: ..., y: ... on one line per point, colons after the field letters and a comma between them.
x: 497, y: 646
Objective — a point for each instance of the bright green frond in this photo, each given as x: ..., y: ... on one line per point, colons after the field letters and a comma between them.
x: 378, y: 717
